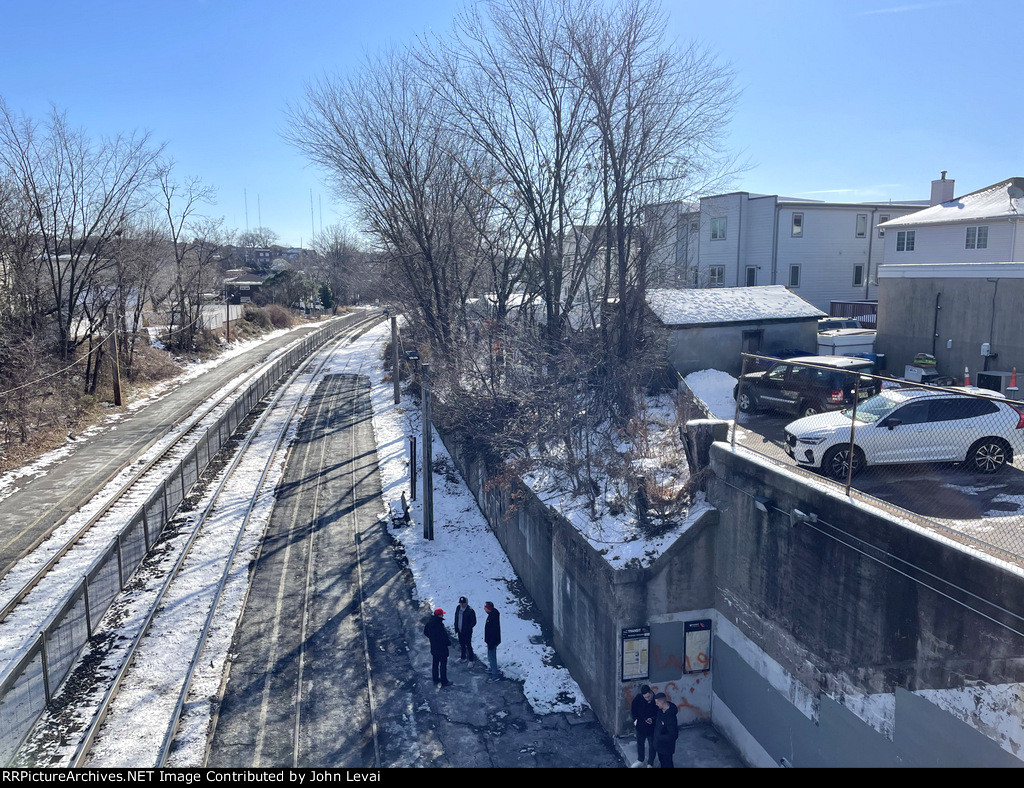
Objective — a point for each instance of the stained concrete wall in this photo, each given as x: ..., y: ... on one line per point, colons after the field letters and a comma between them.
x: 855, y: 640
x: 921, y: 309
x: 839, y: 639
x: 584, y: 603
x: 693, y: 348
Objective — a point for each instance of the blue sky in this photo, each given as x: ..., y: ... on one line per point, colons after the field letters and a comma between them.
x: 842, y: 100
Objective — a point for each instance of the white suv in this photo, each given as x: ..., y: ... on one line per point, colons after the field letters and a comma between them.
x: 911, y: 425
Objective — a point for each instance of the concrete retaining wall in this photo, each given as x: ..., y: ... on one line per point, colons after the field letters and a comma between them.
x: 858, y: 639
x: 855, y: 640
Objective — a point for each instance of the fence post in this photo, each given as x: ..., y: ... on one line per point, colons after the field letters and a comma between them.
x: 739, y: 393
x: 853, y: 421
x: 120, y: 566
x: 428, y: 458
x: 44, y: 663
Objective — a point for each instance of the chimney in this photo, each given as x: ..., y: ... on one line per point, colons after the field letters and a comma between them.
x: 942, y: 190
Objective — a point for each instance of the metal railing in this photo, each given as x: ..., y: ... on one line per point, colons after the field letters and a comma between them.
x: 950, y: 456
x: 29, y: 681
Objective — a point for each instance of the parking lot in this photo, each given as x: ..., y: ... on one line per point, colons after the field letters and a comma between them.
x: 988, y: 508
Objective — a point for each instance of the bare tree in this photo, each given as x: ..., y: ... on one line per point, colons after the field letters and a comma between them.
x: 180, y: 205
x: 81, y: 195
x: 336, y: 261
x: 504, y: 77
x: 383, y: 142
x: 140, y: 252
x: 660, y: 115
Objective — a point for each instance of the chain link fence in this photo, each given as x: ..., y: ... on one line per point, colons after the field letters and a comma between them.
x: 29, y: 681
x: 949, y: 456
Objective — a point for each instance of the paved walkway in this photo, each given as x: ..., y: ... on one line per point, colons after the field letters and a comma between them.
x: 367, y: 696
x: 39, y: 502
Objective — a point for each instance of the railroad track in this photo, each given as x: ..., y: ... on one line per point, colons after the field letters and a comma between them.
x: 80, y: 716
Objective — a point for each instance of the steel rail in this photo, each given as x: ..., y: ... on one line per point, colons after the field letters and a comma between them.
x: 87, y: 742
x: 362, y: 599
x: 118, y: 495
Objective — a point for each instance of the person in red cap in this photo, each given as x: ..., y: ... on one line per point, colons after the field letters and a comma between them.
x: 438, y: 637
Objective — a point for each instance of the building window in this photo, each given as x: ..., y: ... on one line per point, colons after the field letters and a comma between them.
x: 882, y: 219
x: 243, y: 287
x: 905, y: 241
x: 718, y: 229
x: 798, y: 225
x: 977, y: 238
x: 862, y: 225
x: 858, y: 275
x: 794, y: 276
x: 716, y: 276
x: 751, y: 275
x: 694, y: 228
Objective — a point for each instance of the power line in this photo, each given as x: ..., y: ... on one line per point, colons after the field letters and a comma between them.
x: 99, y: 345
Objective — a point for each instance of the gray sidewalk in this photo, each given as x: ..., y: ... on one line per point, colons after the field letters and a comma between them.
x: 39, y: 502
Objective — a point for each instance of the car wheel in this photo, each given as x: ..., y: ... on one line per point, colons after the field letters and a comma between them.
x: 810, y: 409
x: 988, y: 455
x: 835, y: 463
x: 746, y: 402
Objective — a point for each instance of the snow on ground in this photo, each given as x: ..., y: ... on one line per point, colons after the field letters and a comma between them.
x: 39, y: 467
x: 464, y: 558
x: 714, y: 388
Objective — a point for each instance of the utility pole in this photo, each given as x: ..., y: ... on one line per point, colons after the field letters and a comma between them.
x: 394, y: 357
x: 428, y: 459
x: 115, y: 369
x: 412, y: 467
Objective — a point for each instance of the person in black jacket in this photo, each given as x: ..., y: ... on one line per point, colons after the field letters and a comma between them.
x: 645, y: 712
x: 666, y: 730
x: 492, y: 637
x: 438, y: 637
x: 465, y: 620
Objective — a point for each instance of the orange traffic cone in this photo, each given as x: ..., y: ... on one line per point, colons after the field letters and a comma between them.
x: 967, y: 377
x: 1013, y: 379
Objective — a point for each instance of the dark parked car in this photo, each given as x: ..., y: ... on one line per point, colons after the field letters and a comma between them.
x: 765, y: 360
x: 806, y: 385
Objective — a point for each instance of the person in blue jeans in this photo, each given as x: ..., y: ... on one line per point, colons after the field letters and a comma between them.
x: 492, y: 637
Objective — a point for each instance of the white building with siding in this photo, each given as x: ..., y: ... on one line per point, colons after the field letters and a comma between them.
x: 980, y: 227
x: 822, y: 251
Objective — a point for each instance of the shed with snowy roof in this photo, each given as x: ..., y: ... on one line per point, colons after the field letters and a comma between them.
x: 712, y: 328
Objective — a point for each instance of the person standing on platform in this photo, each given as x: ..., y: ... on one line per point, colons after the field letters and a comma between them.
x: 465, y: 620
x: 492, y: 637
x: 666, y: 730
x: 645, y: 712
x: 438, y: 637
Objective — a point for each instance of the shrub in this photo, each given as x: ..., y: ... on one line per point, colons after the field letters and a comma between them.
x: 256, y: 316
x: 279, y: 316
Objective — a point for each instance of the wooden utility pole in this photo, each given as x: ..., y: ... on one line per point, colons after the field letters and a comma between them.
x: 115, y: 369
x: 428, y: 458
x: 394, y: 357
